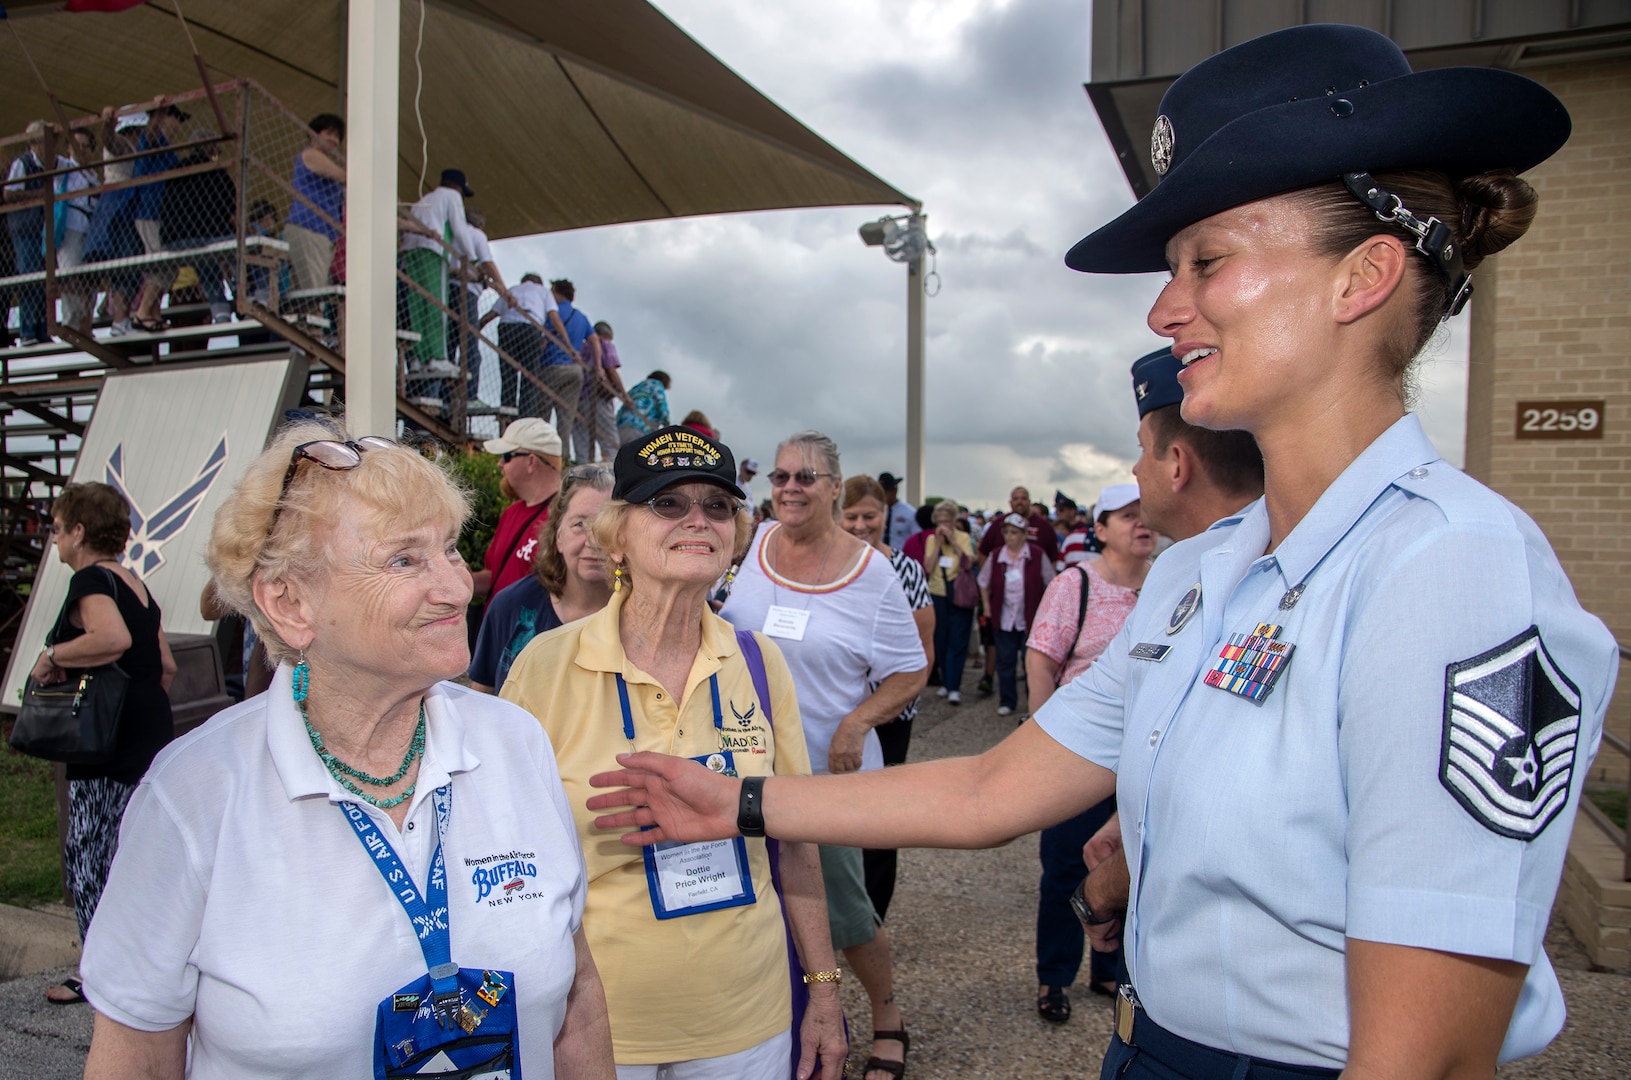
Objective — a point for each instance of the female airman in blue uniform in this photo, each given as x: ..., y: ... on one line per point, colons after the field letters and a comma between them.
x: 1350, y: 727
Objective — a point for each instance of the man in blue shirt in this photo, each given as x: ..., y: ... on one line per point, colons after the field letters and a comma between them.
x: 147, y: 209
x: 563, y: 371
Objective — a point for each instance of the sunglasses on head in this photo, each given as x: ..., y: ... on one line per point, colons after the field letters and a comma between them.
x: 674, y: 506
x: 805, y: 477
x: 333, y: 454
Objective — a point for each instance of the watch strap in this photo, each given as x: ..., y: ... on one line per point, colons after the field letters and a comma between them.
x: 750, y: 807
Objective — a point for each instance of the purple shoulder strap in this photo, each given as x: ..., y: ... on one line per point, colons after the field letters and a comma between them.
x: 756, y: 668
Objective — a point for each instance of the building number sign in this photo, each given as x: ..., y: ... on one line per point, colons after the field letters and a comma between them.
x: 1560, y: 420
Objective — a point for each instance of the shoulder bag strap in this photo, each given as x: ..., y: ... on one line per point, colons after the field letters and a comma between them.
x: 1081, y: 618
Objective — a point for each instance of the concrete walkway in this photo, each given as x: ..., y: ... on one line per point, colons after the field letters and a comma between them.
x: 962, y: 926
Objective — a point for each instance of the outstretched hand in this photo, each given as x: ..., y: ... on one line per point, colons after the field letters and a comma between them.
x: 669, y: 798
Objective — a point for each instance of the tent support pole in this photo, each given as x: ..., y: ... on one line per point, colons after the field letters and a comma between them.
x: 915, y: 327
x: 372, y: 63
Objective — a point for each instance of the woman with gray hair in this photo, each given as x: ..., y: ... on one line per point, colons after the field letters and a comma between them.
x: 568, y: 580
x: 253, y: 924
x: 835, y: 606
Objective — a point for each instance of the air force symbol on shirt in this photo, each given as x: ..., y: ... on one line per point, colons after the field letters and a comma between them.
x: 1511, y: 722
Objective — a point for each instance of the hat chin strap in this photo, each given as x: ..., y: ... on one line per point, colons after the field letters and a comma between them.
x: 1433, y: 237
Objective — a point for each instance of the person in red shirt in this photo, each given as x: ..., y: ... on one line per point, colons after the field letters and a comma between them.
x: 530, y: 450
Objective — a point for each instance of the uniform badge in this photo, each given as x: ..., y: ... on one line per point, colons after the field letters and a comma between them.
x: 1187, y: 607
x: 1250, y: 664
x: 1162, y: 139
x: 1147, y: 650
x: 1511, y: 725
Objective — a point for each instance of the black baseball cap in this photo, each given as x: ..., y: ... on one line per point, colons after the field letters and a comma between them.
x: 669, y: 456
x: 454, y: 178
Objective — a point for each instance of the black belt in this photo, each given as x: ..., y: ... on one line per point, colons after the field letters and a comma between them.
x: 1135, y: 1028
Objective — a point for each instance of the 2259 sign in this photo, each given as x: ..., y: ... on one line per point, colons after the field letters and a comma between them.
x: 1560, y: 420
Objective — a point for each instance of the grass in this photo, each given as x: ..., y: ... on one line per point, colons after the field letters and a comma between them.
x: 30, y: 865
x: 1610, y: 801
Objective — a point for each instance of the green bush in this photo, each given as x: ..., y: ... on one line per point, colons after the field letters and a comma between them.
x: 480, y: 474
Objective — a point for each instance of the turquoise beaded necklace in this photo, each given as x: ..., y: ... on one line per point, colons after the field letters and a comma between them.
x: 344, y: 773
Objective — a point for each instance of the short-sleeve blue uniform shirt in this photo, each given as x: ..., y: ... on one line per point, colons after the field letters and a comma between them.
x: 1411, y: 778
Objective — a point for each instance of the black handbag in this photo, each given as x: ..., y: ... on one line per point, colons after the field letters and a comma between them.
x: 75, y: 722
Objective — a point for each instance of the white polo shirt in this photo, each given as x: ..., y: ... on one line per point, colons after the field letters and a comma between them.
x: 531, y: 298
x: 241, y: 897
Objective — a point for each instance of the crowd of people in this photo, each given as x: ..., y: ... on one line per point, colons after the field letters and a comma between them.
x: 1303, y: 778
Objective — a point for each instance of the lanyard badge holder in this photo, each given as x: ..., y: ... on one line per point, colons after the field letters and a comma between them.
x: 452, y: 1020
x: 688, y: 879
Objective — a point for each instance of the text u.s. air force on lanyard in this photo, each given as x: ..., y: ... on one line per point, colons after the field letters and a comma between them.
x: 688, y: 879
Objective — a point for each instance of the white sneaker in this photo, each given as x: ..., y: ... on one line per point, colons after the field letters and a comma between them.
x: 440, y: 367
x: 942, y: 692
x: 954, y: 698
x: 120, y: 328
x: 1003, y: 710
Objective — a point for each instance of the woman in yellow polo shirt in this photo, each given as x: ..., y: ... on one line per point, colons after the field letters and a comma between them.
x: 689, y: 939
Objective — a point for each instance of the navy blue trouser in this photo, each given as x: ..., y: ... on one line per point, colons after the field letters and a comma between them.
x: 1010, y: 647
x: 1059, y: 935
x: 951, y: 629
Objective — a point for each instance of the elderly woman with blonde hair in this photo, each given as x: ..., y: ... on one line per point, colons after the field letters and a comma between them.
x: 271, y: 861
x: 690, y: 941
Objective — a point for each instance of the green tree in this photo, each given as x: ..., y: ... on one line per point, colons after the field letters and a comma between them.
x: 478, y: 473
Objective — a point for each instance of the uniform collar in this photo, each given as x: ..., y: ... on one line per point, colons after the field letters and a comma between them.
x: 600, y: 646
x: 1397, y: 451
x: 304, y: 775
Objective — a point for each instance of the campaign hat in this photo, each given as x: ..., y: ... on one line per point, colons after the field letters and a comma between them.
x: 668, y: 456
x: 1304, y: 106
x: 1155, y: 381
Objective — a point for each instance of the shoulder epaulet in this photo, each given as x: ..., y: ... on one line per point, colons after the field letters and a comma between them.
x: 1458, y: 496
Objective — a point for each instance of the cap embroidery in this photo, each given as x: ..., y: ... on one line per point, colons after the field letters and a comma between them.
x: 1161, y: 143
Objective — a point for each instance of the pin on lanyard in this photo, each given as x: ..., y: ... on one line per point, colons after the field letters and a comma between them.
x: 428, y: 913
x: 628, y: 714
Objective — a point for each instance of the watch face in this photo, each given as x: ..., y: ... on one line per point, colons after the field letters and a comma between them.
x: 1079, y: 906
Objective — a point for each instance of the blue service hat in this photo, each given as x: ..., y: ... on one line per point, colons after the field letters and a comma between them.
x: 1303, y: 106
x: 1155, y: 381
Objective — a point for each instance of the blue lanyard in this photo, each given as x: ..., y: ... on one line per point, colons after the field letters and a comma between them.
x: 428, y: 913
x: 628, y: 715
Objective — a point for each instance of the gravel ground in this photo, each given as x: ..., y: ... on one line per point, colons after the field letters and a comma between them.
x: 962, y: 926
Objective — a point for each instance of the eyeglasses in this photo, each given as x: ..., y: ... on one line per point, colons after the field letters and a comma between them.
x: 674, y: 507
x: 331, y: 454
x: 805, y: 477
x: 513, y: 454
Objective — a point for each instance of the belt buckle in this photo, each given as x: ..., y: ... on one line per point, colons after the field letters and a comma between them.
x: 1126, y: 1007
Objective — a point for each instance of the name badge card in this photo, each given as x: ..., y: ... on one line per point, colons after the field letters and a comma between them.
x: 687, y: 879
x: 785, y: 622
x: 947, y: 562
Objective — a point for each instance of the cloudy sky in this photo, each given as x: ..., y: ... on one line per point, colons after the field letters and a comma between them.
x: 772, y: 322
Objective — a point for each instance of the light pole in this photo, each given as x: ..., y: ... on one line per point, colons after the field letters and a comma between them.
x: 905, y: 239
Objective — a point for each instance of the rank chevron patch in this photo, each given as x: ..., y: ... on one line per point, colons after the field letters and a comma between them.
x: 1511, y: 725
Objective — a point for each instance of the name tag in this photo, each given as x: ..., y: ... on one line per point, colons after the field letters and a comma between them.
x: 1145, y: 650
x: 785, y: 622
x: 688, y: 878
x: 947, y: 562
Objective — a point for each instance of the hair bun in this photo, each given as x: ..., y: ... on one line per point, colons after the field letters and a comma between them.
x: 1496, y: 209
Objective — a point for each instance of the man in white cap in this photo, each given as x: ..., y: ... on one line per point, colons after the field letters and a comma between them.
x: 530, y: 453
x: 744, y: 478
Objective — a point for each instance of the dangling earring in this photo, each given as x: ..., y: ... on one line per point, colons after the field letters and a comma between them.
x: 302, y: 678
x: 730, y: 576
x: 617, y: 579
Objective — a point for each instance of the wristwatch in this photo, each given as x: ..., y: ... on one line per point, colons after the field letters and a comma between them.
x: 750, y: 807
x: 1078, y: 904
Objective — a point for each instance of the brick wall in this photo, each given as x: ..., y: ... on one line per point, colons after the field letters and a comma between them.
x: 1551, y: 320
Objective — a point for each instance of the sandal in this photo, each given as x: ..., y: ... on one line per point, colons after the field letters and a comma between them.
x: 1054, y: 1006
x: 149, y: 326
x: 74, y: 987
x: 896, y: 1069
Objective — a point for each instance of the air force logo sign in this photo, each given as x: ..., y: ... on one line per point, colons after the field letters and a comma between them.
x: 1511, y: 724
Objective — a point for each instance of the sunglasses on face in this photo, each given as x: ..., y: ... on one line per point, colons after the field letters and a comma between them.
x: 512, y: 455
x: 331, y: 454
x: 674, y: 507
x: 805, y: 477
